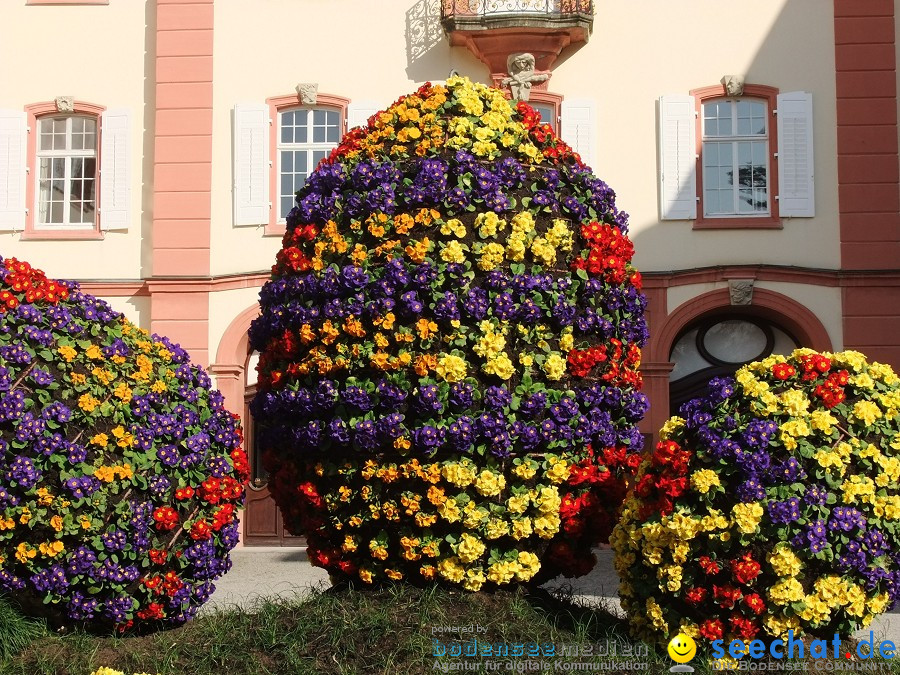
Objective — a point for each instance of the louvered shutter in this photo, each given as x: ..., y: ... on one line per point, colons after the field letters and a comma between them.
x: 677, y: 158
x: 115, y: 170
x: 359, y: 112
x: 13, y: 134
x: 578, y: 128
x: 796, y: 186
x: 251, y: 164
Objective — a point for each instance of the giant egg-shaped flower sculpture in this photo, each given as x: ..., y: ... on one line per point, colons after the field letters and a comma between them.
x: 772, y: 505
x: 449, y: 349
x: 120, y: 470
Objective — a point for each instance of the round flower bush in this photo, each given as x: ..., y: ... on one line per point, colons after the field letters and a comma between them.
x: 772, y: 505
x: 448, y: 383
x: 120, y: 471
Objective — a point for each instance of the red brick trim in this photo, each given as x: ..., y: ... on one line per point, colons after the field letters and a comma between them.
x: 868, y: 161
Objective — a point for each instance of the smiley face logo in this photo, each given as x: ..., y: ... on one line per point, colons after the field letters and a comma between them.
x: 682, y: 648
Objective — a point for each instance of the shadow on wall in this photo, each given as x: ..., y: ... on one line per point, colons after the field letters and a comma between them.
x: 429, y: 56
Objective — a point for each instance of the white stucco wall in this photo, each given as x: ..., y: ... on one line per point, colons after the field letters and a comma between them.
x: 638, y: 52
x: 96, y: 54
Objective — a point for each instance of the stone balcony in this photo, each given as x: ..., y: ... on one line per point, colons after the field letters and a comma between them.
x: 492, y: 29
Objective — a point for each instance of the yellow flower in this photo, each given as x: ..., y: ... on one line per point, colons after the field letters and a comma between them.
x: 25, y: 518
x: 866, y: 412
x: 500, y: 366
x: 56, y: 522
x: 786, y: 591
x: 503, y: 572
x: 558, y: 472
x: 454, y: 252
x: 489, y: 483
x: 451, y: 570
x: 521, y: 528
x: 526, y: 470
x: 567, y: 342
x: 491, y: 256
x: 451, y: 368
x: 93, y: 352
x: 784, y: 562
x: 496, y: 528
x: 87, y: 402
x: 747, y: 516
x: 474, y: 579
x: 470, y: 548
x: 704, y: 480
x: 459, y: 474
x: 24, y: 552
x: 554, y: 366
x: 68, y: 353
x: 100, y: 439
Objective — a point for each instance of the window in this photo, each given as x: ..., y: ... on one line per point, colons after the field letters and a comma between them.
x: 67, y: 172
x: 296, y: 138
x: 305, y: 137
x: 753, y: 164
x: 735, y: 158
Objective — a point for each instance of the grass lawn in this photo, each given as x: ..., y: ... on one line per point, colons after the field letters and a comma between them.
x: 392, y: 630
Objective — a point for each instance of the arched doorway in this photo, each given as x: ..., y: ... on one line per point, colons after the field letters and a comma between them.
x: 263, y: 525
x: 716, y: 346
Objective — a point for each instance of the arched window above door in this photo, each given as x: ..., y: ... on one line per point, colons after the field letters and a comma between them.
x: 717, y: 346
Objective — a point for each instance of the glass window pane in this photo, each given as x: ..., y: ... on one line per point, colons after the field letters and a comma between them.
x: 287, y: 132
x: 318, y: 156
x: 287, y: 160
x: 735, y: 341
x: 334, y: 134
x: 726, y: 201
x: 300, y: 162
x: 319, y: 118
x: 332, y: 118
x: 318, y: 134
x: 711, y: 199
x: 287, y: 203
x: 287, y: 182
x: 301, y: 134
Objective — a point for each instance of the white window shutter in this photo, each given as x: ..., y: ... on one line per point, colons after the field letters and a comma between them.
x: 115, y: 170
x: 796, y: 186
x: 677, y: 158
x: 251, y: 164
x: 359, y: 112
x: 13, y: 143
x: 578, y: 128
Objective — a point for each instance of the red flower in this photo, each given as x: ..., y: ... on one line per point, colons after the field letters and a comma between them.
x: 201, y: 530
x: 158, y: 557
x: 783, y: 371
x: 165, y: 517
x: 153, y: 611
x: 184, y: 493
x: 746, y: 569
x: 743, y: 628
x: 755, y: 603
x: 712, y: 629
x: 708, y: 565
x: 726, y: 596
x: 696, y: 596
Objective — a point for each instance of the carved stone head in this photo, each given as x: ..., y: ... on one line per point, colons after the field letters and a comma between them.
x: 308, y: 92
x: 65, y: 104
x: 734, y: 85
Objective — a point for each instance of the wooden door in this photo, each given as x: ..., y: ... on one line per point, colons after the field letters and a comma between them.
x: 263, y: 525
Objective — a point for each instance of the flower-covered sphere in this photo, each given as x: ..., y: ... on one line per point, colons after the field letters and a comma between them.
x: 448, y: 383
x: 120, y: 470
x: 771, y: 505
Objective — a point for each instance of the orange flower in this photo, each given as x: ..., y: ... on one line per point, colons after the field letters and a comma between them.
x: 426, y: 328
x: 424, y: 363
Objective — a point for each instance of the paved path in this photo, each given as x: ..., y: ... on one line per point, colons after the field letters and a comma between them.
x: 285, y: 573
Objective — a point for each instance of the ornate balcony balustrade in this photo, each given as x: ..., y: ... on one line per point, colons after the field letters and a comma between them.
x: 492, y: 29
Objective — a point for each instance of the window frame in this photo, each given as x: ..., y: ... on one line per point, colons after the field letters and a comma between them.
x: 769, y: 96
x: 278, y: 105
x: 554, y: 100
x: 34, y: 229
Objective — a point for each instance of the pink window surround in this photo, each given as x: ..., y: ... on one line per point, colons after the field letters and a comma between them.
x: 547, y: 98
x: 279, y: 104
x: 35, y: 111
x: 773, y: 220
x: 67, y: 2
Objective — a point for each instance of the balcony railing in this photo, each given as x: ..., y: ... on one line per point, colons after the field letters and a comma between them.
x: 462, y: 8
